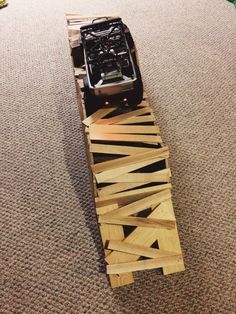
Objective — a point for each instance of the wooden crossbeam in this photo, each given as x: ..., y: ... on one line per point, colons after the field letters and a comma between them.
x: 144, y: 264
x: 106, y: 209
x: 114, y: 232
x: 128, y: 197
x: 158, y: 176
x: 118, y: 118
x: 141, y: 205
x: 168, y: 240
x: 129, y: 160
x: 100, y: 113
x: 117, y: 187
x: 124, y: 129
x: 109, y: 174
x: 137, y: 120
x: 139, y: 250
x: 138, y: 222
x: 116, y: 149
x: 95, y: 136
x: 140, y: 236
x: 122, y: 186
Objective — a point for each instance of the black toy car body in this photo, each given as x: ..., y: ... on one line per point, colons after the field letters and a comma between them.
x: 113, y: 75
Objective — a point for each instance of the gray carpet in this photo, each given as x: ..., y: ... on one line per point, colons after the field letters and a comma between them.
x: 51, y: 258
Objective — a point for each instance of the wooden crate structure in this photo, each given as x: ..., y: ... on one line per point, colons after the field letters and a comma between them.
x: 131, y: 181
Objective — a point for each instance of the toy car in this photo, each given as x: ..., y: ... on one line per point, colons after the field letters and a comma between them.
x: 113, y: 74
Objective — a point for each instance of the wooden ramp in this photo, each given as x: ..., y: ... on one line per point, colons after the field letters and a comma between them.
x: 131, y: 180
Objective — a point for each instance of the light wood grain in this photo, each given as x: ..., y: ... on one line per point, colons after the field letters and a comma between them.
x: 116, y: 149
x: 127, y: 197
x: 140, y: 236
x: 113, y: 173
x: 106, y: 209
x: 169, y: 240
x: 100, y: 113
x: 128, y: 160
x: 114, y: 232
x: 141, y: 204
x: 159, y: 176
x: 144, y: 264
x: 123, y: 116
x: 138, y: 222
x: 124, y: 129
x: 137, y: 120
x: 139, y: 250
x: 95, y: 136
x: 119, y: 187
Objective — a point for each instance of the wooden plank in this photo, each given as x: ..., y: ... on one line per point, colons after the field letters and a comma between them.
x: 106, y: 209
x: 144, y: 264
x: 124, y: 129
x: 123, y: 116
x: 136, y: 120
x: 145, y: 237
x: 169, y: 240
x: 100, y: 113
x: 125, y: 161
x: 116, y: 149
x: 124, y: 198
x: 138, y: 222
x: 139, y: 250
x: 141, y: 204
x: 158, y: 176
x: 117, y: 187
x: 140, y: 236
x: 119, y: 280
x: 114, y: 232
x: 109, y: 174
x: 95, y: 136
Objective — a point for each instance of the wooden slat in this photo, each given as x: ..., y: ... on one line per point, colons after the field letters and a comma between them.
x: 116, y: 149
x: 136, y: 120
x: 130, y: 196
x: 114, y: 232
x: 140, y: 236
x: 141, y: 204
x: 117, y: 187
x: 109, y: 174
x: 145, y: 237
x: 106, y: 209
x: 138, y: 222
x: 144, y: 264
x: 100, y: 113
x: 124, y: 129
x: 95, y: 136
x: 139, y: 250
x: 125, y: 161
x: 158, y: 176
x: 123, y: 116
x: 169, y: 240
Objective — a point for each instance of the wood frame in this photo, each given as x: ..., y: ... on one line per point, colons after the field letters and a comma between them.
x: 133, y: 187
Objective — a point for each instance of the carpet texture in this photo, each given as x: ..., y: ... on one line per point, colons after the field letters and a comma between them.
x: 51, y: 257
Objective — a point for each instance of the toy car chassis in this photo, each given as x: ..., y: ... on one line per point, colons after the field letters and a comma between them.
x: 109, y: 55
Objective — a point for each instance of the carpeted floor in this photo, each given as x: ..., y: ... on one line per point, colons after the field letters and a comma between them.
x: 50, y: 251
